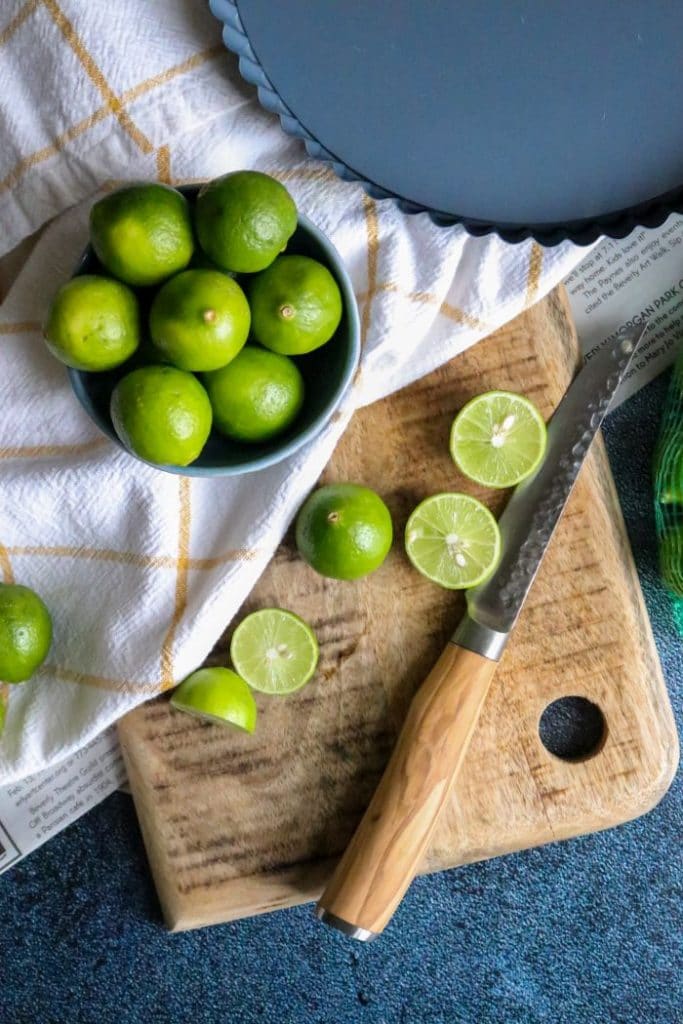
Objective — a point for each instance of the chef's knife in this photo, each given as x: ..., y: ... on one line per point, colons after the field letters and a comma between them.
x: 385, y: 852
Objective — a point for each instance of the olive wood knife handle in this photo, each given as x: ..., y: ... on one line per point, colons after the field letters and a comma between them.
x: 387, y: 848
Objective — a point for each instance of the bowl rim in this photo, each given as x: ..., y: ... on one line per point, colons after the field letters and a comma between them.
x: 341, y: 274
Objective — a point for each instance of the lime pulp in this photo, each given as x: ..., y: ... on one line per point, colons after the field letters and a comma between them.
x: 275, y: 651
x: 453, y: 540
x: 498, y: 439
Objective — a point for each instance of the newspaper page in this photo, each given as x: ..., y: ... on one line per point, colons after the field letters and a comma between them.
x: 40, y: 806
x: 627, y: 281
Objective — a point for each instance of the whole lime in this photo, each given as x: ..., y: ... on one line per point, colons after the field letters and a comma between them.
x: 199, y: 320
x: 162, y: 414
x: 256, y: 396
x: 25, y: 632
x: 344, y: 531
x: 142, y: 233
x: 296, y: 305
x: 244, y: 219
x: 93, y: 323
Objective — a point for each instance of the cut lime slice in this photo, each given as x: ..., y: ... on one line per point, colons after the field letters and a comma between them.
x: 453, y: 540
x: 274, y: 650
x: 217, y: 695
x: 498, y: 439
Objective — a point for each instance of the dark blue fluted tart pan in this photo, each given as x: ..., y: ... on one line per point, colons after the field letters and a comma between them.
x: 530, y: 118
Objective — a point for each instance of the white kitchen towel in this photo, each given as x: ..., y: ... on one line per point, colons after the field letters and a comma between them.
x: 143, y: 570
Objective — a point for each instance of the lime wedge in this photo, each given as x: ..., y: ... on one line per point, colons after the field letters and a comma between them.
x: 498, y: 439
x: 453, y: 540
x: 217, y: 695
x: 274, y: 650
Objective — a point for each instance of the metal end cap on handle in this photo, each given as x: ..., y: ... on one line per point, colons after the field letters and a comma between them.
x: 350, y: 930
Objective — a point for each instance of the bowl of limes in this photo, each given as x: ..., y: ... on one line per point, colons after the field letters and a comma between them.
x: 209, y: 331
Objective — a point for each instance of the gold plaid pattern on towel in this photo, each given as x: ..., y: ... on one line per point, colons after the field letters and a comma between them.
x: 143, y: 570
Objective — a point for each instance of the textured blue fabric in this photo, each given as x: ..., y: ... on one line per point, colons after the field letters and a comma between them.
x: 583, y: 932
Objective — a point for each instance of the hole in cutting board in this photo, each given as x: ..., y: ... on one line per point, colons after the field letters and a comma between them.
x: 572, y: 728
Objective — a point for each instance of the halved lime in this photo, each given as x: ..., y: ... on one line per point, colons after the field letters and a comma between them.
x: 217, y: 695
x: 453, y: 540
x: 274, y: 650
x: 498, y: 439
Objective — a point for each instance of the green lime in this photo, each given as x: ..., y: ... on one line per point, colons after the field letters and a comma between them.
x: 453, y: 540
x: 142, y: 233
x: 93, y: 323
x: 162, y: 414
x: 296, y: 305
x: 256, y: 396
x: 199, y: 320
x: 217, y: 695
x: 274, y: 650
x: 498, y: 439
x: 25, y: 632
x: 344, y: 531
x: 244, y: 219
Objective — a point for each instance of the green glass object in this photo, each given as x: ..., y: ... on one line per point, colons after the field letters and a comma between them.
x: 668, y: 481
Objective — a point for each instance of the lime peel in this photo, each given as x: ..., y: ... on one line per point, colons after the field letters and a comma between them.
x: 217, y: 695
x: 25, y: 632
x: 344, y: 531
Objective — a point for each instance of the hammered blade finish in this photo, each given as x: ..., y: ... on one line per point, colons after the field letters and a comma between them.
x: 534, y: 509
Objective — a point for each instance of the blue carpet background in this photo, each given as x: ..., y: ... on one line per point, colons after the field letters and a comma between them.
x: 584, y: 932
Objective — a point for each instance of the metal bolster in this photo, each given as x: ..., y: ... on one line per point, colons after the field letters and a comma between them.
x: 479, y: 638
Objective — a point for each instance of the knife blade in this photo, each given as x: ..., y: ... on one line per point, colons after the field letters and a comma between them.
x: 534, y: 510
x: 386, y: 849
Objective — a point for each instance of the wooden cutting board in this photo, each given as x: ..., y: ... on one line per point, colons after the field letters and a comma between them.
x: 237, y: 825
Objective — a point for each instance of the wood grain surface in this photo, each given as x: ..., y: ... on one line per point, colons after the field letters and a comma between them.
x: 236, y: 825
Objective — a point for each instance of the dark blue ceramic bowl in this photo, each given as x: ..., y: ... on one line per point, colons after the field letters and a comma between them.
x: 327, y: 374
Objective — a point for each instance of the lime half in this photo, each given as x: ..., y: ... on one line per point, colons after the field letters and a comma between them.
x: 453, y: 540
x: 498, y: 439
x: 274, y: 650
x: 217, y: 695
